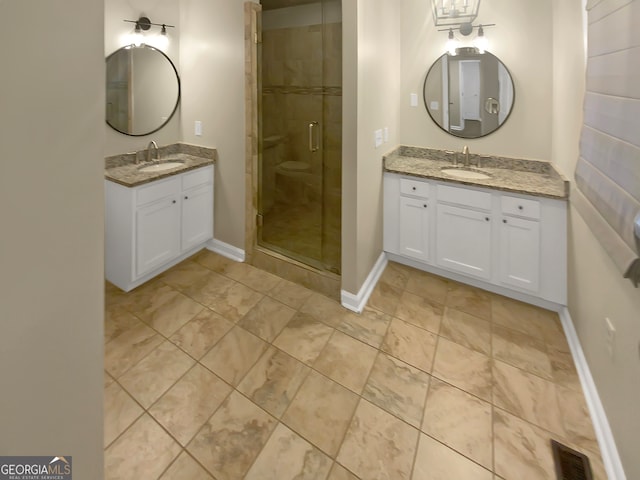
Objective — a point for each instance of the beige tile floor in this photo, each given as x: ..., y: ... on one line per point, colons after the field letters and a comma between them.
x: 219, y: 370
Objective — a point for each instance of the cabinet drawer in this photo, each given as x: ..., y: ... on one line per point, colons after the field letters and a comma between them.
x: 414, y: 187
x: 157, y: 190
x: 201, y: 176
x: 463, y: 196
x: 520, y: 207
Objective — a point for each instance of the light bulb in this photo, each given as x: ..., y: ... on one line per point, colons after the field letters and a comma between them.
x: 481, y: 42
x: 452, y: 43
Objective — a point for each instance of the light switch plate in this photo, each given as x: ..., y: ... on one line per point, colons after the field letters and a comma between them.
x: 414, y: 99
x: 378, y: 137
x: 198, y: 128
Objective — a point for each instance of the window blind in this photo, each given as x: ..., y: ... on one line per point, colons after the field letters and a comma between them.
x: 608, y: 170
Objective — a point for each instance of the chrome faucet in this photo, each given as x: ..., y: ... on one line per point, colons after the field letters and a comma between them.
x: 465, y: 152
x: 152, y: 144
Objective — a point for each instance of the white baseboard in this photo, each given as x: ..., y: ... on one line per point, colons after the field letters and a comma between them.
x: 357, y: 302
x: 610, y: 457
x: 226, y: 250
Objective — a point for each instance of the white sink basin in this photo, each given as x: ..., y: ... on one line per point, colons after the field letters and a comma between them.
x: 160, y: 167
x: 465, y: 173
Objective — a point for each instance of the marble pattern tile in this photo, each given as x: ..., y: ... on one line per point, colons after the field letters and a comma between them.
x: 235, y: 302
x: 230, y: 441
x: 573, y: 407
x: 461, y: 421
x: 273, y: 381
x: 149, y: 297
x: 378, y: 445
x: 421, y: 312
x: 516, y: 315
x: 338, y: 472
x: 410, y: 344
x: 324, y: 309
x: 398, y: 388
x: 470, y: 300
x: 527, y: 396
x: 466, y: 330
x: 287, y: 456
x: 552, y: 331
x: 267, y: 318
x: 201, y: 333
x: 370, y: 326
x: 213, y: 261
x: 184, y: 275
x: 522, y: 450
x: 321, y: 411
x: 429, y: 286
x: 346, y: 361
x: 128, y: 348
x: 304, y: 338
x: 209, y: 287
x: 291, y: 294
x: 252, y: 277
x: 184, y: 408
x: 185, y: 467
x: 143, y: 451
x: 396, y: 275
x: 234, y: 355
x: 385, y: 298
x: 463, y: 368
x: 522, y: 351
x: 153, y: 376
x: 120, y: 411
x: 118, y: 320
x: 435, y: 461
x: 563, y: 369
x: 176, y: 310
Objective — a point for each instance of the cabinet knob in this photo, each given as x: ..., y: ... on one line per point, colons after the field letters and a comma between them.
x: 173, y: 201
x: 520, y: 207
x: 425, y: 205
x: 486, y: 219
x: 413, y: 188
x: 504, y: 220
x: 186, y: 197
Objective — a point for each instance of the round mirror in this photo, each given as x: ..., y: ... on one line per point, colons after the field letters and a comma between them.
x: 469, y: 94
x: 143, y: 90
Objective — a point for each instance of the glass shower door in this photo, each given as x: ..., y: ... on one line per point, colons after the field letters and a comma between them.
x: 297, y: 131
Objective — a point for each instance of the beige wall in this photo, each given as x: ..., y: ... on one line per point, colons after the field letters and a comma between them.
x: 51, y: 245
x: 212, y: 64
x: 596, y: 287
x: 115, y: 31
x: 377, y: 60
x: 522, y: 39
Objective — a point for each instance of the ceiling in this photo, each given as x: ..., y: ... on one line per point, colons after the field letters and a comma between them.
x: 274, y: 4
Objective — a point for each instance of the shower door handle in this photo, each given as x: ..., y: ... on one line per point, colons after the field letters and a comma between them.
x: 313, y: 146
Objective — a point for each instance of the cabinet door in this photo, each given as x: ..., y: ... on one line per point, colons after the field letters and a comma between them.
x: 520, y: 253
x: 197, y: 216
x: 157, y: 237
x: 464, y: 241
x: 414, y: 228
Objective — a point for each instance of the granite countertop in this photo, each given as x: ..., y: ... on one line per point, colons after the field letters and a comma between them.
x: 530, y: 177
x: 124, y: 170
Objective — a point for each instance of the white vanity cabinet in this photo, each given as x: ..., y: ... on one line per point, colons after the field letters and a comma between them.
x: 414, y: 219
x: 154, y: 226
x: 463, y: 238
x: 508, y: 243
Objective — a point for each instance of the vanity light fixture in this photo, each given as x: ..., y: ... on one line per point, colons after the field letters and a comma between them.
x: 479, y: 43
x: 142, y: 25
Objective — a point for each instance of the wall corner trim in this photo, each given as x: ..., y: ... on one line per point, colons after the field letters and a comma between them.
x: 226, y: 250
x: 357, y: 302
x: 610, y: 456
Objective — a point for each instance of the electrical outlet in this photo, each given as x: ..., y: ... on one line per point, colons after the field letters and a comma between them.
x: 413, y: 99
x: 378, y: 137
x: 198, y: 128
x: 611, y: 336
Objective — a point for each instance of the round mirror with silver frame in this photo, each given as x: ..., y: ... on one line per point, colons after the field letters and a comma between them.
x: 143, y: 90
x: 469, y: 94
